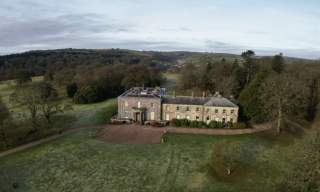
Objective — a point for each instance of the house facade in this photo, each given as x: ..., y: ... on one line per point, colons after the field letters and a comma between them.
x: 140, y: 104
x: 151, y: 104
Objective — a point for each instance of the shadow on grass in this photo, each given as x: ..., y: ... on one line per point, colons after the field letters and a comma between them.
x: 285, y: 138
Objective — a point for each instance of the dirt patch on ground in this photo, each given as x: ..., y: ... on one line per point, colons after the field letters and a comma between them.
x: 130, y: 134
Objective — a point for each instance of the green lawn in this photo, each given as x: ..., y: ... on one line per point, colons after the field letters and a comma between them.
x: 80, y: 162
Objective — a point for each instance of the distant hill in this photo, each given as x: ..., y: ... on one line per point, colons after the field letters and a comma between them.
x: 37, y: 62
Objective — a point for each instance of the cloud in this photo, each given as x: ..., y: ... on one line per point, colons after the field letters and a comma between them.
x: 217, y: 26
x: 218, y: 46
x: 64, y: 28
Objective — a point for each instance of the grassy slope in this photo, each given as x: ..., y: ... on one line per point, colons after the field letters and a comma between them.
x: 80, y: 162
x: 98, y: 113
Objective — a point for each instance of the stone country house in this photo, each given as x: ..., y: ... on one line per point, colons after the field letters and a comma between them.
x: 140, y: 104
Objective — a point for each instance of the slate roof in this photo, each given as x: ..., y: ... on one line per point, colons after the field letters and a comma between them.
x: 217, y: 101
x: 220, y: 101
x: 146, y: 92
x: 185, y: 100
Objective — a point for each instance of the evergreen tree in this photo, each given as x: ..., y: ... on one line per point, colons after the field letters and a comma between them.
x: 278, y: 63
x: 249, y: 64
x: 189, y: 76
x: 250, y: 99
x: 71, y: 89
x: 23, y: 76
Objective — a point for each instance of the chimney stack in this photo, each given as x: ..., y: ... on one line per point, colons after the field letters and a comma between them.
x: 203, y: 94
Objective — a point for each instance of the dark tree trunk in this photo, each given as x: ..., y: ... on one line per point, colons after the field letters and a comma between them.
x: 34, y: 119
x: 313, y: 100
x: 3, y: 136
x: 279, y: 120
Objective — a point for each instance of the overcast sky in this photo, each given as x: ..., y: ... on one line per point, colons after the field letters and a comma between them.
x: 268, y: 27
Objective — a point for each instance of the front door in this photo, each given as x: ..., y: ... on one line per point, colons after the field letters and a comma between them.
x: 137, y: 117
x: 167, y: 117
x: 152, y: 116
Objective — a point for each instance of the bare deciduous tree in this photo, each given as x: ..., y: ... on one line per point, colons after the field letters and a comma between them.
x: 4, y: 116
x: 28, y: 96
x: 281, y: 95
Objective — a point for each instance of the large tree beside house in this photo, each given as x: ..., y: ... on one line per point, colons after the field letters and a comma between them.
x: 281, y: 97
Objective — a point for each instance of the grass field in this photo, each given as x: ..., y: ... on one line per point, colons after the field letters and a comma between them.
x: 80, y: 115
x: 80, y: 162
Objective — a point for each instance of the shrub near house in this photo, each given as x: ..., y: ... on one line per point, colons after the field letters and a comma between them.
x: 185, y: 123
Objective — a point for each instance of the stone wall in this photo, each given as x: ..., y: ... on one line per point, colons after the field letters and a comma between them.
x: 199, y: 113
x: 126, y: 105
x: 174, y: 111
x: 220, y: 114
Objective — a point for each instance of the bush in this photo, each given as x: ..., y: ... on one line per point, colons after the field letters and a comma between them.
x: 239, y: 125
x: 184, y: 123
x: 211, y: 125
x: 72, y: 89
x: 23, y: 76
x: 175, y: 123
x: 194, y: 124
x: 88, y: 94
x: 219, y: 125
